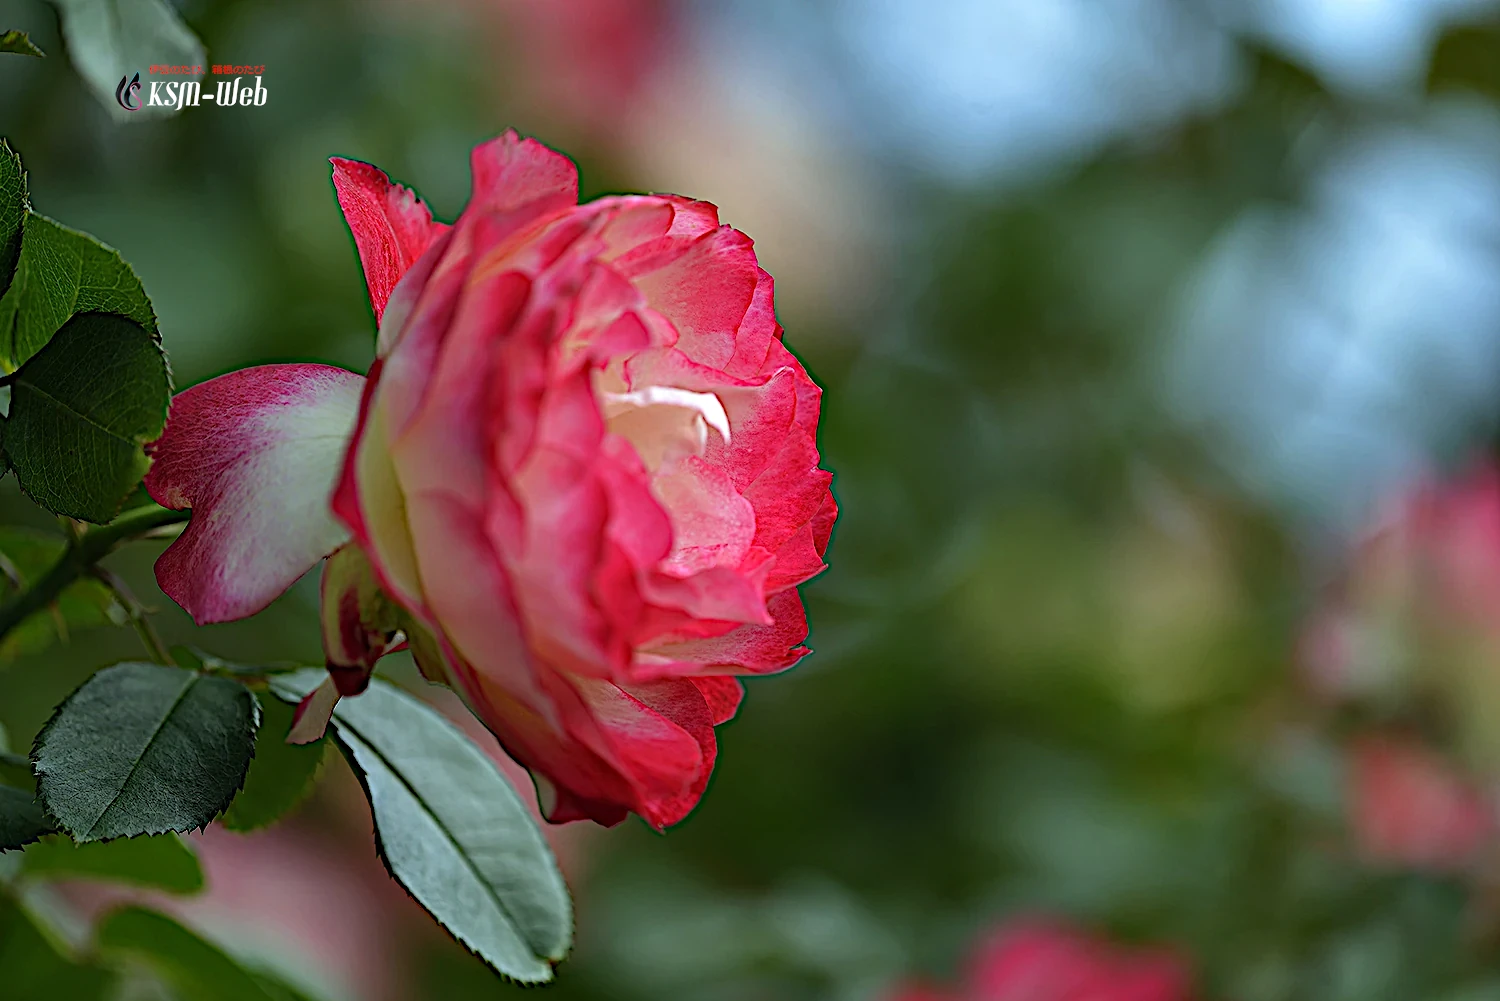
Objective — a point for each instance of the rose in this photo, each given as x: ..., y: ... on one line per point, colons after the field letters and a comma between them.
x: 1046, y: 960
x: 580, y: 478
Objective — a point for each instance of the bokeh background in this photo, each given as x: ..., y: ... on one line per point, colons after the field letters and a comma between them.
x: 1161, y: 345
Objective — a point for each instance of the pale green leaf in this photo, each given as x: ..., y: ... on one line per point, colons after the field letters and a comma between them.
x: 111, y: 39
x: 452, y: 830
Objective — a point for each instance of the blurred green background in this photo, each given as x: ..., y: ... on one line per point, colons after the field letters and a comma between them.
x: 1132, y: 316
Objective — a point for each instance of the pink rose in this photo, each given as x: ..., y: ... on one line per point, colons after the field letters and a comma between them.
x: 1041, y: 960
x: 581, y: 477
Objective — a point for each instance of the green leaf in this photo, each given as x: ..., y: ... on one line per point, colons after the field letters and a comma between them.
x: 281, y: 774
x: 162, y: 862
x: 452, y: 830
x: 21, y: 818
x: 84, y: 604
x: 110, y: 39
x: 81, y: 412
x: 20, y: 43
x: 59, y: 272
x: 13, y: 209
x: 144, y: 749
x: 34, y: 967
x: 193, y: 966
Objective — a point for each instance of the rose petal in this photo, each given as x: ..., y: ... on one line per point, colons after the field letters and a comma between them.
x: 748, y: 649
x: 358, y: 619
x: 706, y: 293
x: 723, y: 696
x: 508, y: 172
x: 390, y: 224
x: 310, y: 718
x: 255, y: 455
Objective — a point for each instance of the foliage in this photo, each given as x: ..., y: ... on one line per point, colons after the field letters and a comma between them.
x: 20, y: 43
x: 81, y: 411
x: 452, y: 830
x: 281, y: 775
x: 144, y: 749
x: 1057, y: 658
x: 162, y: 862
x: 83, y: 604
x: 111, y: 39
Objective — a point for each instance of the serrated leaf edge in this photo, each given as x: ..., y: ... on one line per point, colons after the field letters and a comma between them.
x: 42, y: 776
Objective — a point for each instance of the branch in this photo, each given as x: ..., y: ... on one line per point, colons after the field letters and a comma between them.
x: 136, y: 612
x: 82, y: 553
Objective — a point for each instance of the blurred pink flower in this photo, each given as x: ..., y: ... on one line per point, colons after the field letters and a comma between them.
x: 1045, y: 960
x: 1410, y: 808
x: 587, y: 62
x: 1431, y: 559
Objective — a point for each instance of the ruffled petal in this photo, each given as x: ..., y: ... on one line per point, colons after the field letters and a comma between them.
x: 747, y: 649
x: 723, y: 696
x: 255, y: 455
x: 706, y: 293
x: 508, y: 172
x: 390, y: 224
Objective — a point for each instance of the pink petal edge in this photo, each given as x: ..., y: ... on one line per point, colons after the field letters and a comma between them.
x: 255, y: 455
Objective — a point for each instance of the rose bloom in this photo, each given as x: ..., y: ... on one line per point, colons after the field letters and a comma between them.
x: 580, y: 478
x: 1041, y: 960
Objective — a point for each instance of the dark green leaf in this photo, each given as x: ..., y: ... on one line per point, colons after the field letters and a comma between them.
x: 162, y: 862
x: 194, y: 967
x: 34, y: 968
x: 21, y: 818
x: 84, y: 604
x: 80, y: 412
x: 452, y: 830
x: 281, y: 774
x: 20, y: 43
x: 144, y: 749
x: 13, y: 208
x: 59, y: 272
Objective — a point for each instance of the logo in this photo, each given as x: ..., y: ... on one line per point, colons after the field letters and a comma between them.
x: 240, y: 86
x: 242, y: 91
x: 125, y: 93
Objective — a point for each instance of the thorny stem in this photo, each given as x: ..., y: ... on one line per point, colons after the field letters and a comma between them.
x: 84, y: 550
x: 137, y: 614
